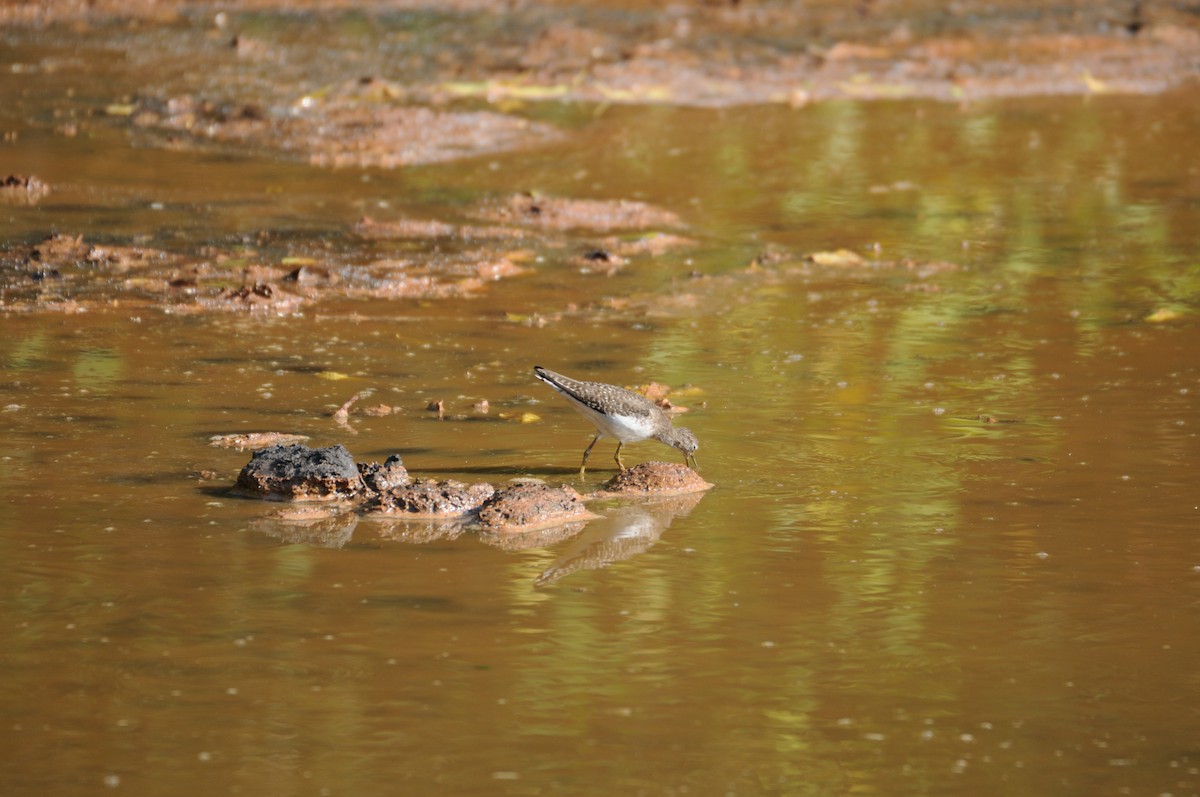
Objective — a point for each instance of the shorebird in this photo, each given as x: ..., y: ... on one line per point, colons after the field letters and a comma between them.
x: 626, y: 416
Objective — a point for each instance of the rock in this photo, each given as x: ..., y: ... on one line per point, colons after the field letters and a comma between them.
x: 524, y: 507
x: 300, y: 473
x: 655, y: 478
x: 431, y: 498
x: 382, y: 478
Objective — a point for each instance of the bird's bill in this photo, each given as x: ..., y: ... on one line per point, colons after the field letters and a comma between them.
x: 690, y: 461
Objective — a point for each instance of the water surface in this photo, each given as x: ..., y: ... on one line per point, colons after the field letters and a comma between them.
x: 952, y: 548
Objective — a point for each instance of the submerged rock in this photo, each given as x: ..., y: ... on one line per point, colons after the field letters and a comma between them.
x: 524, y: 507
x: 655, y: 478
x: 431, y: 498
x: 300, y: 473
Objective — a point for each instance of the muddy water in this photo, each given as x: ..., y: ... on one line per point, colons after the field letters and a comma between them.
x: 952, y: 549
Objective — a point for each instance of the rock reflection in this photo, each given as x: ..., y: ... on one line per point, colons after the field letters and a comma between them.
x: 419, y: 531
x: 323, y: 527
x: 628, y: 531
x: 536, y: 537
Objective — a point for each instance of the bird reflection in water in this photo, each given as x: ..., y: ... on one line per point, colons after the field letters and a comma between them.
x: 624, y: 533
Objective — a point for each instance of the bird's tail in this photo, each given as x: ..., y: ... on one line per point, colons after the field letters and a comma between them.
x: 549, y: 377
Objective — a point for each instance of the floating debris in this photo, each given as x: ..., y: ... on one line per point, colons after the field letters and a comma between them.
x: 256, y: 440
x: 22, y: 189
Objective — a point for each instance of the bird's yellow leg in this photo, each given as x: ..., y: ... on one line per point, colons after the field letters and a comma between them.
x: 587, y: 451
x: 617, y: 457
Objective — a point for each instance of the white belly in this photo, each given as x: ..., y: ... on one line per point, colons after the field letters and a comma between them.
x: 619, y: 427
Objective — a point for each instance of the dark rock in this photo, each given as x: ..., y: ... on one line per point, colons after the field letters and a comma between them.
x: 300, y: 473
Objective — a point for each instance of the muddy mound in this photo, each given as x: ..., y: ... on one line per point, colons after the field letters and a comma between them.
x: 301, y: 473
x: 430, y: 498
x: 656, y: 478
x: 524, y: 507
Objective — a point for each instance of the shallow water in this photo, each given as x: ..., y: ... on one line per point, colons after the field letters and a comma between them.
x: 885, y: 593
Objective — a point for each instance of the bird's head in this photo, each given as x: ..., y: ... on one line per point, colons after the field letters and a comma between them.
x: 685, y: 441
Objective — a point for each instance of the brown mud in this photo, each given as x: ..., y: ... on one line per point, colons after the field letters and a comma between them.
x: 464, y: 100
x: 65, y: 273
x: 655, y: 478
x: 726, y: 53
x: 351, y: 125
x: 429, y: 498
x: 528, y: 507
